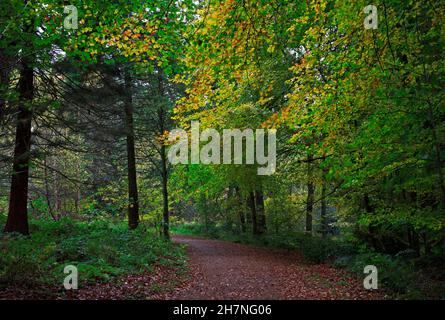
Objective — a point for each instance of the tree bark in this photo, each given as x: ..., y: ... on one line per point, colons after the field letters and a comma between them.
x: 369, y: 209
x: 241, y: 212
x: 5, y: 71
x: 165, y: 214
x: 47, y: 190
x: 323, y: 213
x: 17, y: 220
x: 164, y: 170
x: 204, y: 210
x: 251, y: 204
x: 261, y: 214
x: 133, y: 201
x: 310, y: 198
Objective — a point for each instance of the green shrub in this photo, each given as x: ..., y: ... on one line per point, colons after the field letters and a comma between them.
x: 22, y: 262
x: 393, y: 273
x: 196, y: 229
x: 99, y: 249
x: 318, y: 250
x: 315, y: 248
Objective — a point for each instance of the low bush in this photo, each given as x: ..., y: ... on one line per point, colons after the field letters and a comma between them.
x: 99, y: 249
x: 393, y: 273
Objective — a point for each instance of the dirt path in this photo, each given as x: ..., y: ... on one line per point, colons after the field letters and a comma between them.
x: 225, y: 270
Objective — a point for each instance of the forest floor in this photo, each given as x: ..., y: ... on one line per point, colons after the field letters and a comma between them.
x: 222, y: 270
x: 227, y: 270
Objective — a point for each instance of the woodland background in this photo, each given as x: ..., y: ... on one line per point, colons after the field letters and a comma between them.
x: 359, y: 113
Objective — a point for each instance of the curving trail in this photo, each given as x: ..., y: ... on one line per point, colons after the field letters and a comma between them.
x: 226, y: 270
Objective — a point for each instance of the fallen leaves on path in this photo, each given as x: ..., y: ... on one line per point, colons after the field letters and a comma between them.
x: 141, y: 286
x: 225, y: 270
x: 222, y: 270
x: 146, y: 285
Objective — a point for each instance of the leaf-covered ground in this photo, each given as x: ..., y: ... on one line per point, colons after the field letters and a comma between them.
x: 226, y: 270
x: 141, y: 286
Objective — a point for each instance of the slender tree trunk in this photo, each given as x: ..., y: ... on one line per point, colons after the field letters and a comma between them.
x: 415, y: 241
x: 323, y: 213
x: 310, y: 197
x: 251, y: 204
x: 5, y: 71
x: 261, y: 214
x: 78, y: 195
x: 426, y: 244
x: 372, y: 229
x: 133, y: 201
x: 47, y: 190
x: 164, y: 170
x: 240, y: 209
x: 438, y: 160
x: 18, y: 212
x: 413, y: 236
x: 165, y: 215
x: 203, y: 200
x: 248, y: 216
x: 242, y: 220
x: 437, y: 150
x: 57, y: 193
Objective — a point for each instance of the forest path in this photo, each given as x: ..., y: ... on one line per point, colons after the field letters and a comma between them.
x: 226, y: 270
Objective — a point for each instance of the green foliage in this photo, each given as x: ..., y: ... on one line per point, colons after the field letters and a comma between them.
x: 393, y: 273
x: 361, y: 110
x: 364, y: 108
x: 196, y: 229
x: 99, y: 249
x: 22, y: 262
x: 323, y: 249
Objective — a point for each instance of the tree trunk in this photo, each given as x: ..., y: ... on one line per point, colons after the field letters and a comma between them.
x: 310, y: 197
x: 261, y: 214
x: 47, y: 190
x: 241, y: 212
x: 165, y: 215
x: 372, y: 229
x: 164, y: 170
x: 5, y: 71
x: 133, y: 202
x: 18, y: 212
x: 203, y: 201
x: 251, y: 204
x: 323, y: 213
x: 414, y: 240
x: 242, y: 220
